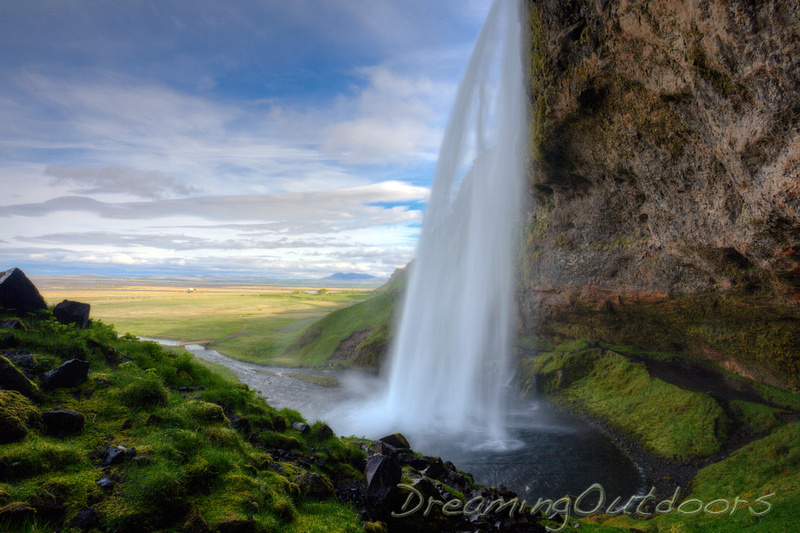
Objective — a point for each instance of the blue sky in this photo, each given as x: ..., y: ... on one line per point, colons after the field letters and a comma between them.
x: 275, y: 138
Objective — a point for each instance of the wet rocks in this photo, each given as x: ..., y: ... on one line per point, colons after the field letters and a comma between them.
x: 70, y: 374
x: 382, y: 474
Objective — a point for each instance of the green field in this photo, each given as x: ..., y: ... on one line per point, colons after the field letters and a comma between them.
x: 255, y: 314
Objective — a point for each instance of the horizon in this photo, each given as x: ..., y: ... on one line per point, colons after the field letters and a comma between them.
x: 277, y: 140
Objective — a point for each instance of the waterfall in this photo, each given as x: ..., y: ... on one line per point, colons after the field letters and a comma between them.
x: 449, y: 360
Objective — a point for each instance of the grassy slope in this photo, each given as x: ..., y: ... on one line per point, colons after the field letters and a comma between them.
x: 681, y: 425
x: 189, y: 465
x: 315, y: 344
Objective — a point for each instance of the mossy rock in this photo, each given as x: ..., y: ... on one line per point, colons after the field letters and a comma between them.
x: 17, y: 413
x: 17, y: 514
x: 206, y: 412
x: 11, y: 378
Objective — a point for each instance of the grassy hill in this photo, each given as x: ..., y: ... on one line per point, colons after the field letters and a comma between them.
x: 354, y: 336
x: 155, y: 442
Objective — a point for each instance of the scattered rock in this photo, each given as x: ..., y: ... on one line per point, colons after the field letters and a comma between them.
x: 71, y: 312
x: 105, y: 483
x: 17, y: 514
x: 240, y: 423
x: 324, y: 432
x: 195, y: 523
x: 382, y: 474
x: 18, y: 292
x: 22, y: 359
x: 12, y: 379
x: 302, y: 427
x: 14, y: 323
x: 63, y: 422
x: 16, y: 414
x: 70, y: 374
x: 396, y: 440
x: 113, y: 455
x: 315, y: 486
x: 85, y: 520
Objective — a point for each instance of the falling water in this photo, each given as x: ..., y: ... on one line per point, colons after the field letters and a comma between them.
x: 449, y: 360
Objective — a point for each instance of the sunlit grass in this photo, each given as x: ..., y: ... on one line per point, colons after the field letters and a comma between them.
x: 208, y: 314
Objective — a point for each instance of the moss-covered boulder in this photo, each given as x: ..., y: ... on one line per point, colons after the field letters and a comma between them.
x: 11, y: 378
x: 17, y: 414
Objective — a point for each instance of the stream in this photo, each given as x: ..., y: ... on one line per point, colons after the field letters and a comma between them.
x: 553, y: 455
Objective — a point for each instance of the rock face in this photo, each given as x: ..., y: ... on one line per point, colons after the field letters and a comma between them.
x: 19, y: 293
x: 665, y: 165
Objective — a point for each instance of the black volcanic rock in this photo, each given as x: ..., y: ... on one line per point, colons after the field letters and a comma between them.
x: 70, y: 312
x: 70, y: 374
x: 11, y: 378
x: 63, y: 422
x: 19, y: 293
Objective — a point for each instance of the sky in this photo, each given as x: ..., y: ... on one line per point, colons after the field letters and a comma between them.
x: 284, y: 139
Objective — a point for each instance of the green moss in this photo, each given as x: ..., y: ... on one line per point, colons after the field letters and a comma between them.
x: 668, y: 421
x: 187, y: 466
x: 760, y: 418
x: 17, y: 414
x: 39, y: 455
x: 758, y: 333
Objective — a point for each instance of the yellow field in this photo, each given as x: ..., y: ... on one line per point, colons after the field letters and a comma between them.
x: 212, y: 312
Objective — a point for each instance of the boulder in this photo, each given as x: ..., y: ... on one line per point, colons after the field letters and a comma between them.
x: 17, y: 514
x: 70, y: 374
x: 18, y: 292
x: 16, y: 414
x: 85, y: 520
x: 315, y: 486
x: 382, y: 475
x: 324, y: 432
x: 71, y: 312
x: 113, y: 455
x: 63, y: 422
x: 302, y: 427
x: 396, y: 440
x: 11, y: 378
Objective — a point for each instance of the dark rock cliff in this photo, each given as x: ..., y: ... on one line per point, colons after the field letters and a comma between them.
x: 665, y: 179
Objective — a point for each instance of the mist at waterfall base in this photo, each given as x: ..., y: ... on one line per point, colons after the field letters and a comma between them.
x: 448, y: 388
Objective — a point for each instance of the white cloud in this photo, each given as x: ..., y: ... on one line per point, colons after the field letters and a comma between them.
x: 98, y: 180
x: 397, y: 119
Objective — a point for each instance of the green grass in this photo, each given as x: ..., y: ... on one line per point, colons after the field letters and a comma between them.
x: 210, y: 314
x: 668, y: 421
x: 318, y: 342
x: 189, y: 466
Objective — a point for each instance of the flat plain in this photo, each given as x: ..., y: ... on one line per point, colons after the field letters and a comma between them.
x: 199, y: 311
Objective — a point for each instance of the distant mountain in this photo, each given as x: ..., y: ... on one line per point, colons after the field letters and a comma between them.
x: 350, y: 276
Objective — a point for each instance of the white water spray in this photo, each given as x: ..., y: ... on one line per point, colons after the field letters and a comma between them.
x: 449, y: 361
